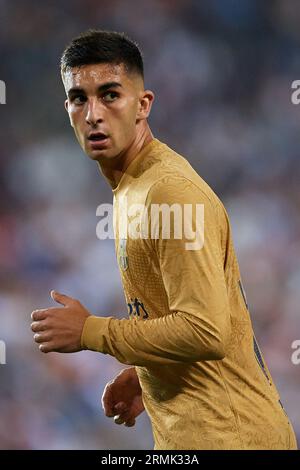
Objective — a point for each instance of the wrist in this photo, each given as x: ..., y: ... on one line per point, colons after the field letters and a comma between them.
x: 95, y: 334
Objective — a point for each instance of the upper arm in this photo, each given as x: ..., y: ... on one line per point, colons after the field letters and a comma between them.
x: 193, y: 278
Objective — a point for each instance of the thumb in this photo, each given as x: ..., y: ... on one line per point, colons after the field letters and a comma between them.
x: 61, y: 298
x: 120, y: 407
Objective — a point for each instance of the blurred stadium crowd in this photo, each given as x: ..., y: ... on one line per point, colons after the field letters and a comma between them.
x: 222, y: 74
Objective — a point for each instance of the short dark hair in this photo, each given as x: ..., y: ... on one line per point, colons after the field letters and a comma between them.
x: 97, y: 46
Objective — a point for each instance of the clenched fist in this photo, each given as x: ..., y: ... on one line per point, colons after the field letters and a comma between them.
x: 59, y: 329
x: 122, y: 398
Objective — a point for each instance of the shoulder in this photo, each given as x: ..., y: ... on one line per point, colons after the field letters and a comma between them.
x: 181, y: 187
x: 174, y: 177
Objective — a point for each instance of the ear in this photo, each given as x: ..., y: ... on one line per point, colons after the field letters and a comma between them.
x: 145, y: 103
x: 67, y: 109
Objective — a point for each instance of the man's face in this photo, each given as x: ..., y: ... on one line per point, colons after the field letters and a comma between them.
x: 104, y: 106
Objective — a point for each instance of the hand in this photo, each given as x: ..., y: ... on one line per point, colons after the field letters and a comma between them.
x: 122, y: 398
x: 59, y: 328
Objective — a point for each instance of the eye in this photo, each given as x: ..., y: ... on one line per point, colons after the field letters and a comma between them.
x: 110, y: 96
x: 79, y: 99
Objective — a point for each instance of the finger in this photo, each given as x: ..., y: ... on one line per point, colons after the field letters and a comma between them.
x: 38, y: 326
x: 126, y: 416
x: 40, y: 314
x: 107, y: 401
x: 46, y: 347
x: 123, y: 419
x: 118, y: 419
x: 130, y: 423
x: 122, y: 414
x: 61, y: 298
x: 120, y: 408
x: 42, y: 337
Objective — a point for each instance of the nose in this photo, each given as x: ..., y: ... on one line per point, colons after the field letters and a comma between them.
x: 94, y: 114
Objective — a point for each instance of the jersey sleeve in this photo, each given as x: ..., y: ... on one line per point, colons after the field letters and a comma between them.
x: 190, y: 258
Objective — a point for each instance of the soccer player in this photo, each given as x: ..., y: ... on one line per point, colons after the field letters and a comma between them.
x: 196, y: 367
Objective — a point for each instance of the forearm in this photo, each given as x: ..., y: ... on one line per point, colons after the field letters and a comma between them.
x: 173, y: 338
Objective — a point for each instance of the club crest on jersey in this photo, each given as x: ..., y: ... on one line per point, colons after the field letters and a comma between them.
x: 123, y: 258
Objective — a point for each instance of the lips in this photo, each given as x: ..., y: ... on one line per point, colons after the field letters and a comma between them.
x: 97, y: 136
x: 98, y: 141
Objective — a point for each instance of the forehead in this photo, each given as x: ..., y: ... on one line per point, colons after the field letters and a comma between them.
x: 95, y: 75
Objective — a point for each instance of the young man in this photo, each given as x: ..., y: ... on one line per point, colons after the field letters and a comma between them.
x: 197, y: 371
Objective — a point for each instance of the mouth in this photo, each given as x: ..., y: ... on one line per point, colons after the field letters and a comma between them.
x: 97, y: 136
x: 98, y: 140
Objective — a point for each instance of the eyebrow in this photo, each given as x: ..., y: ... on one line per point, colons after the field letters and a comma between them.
x: 101, y: 88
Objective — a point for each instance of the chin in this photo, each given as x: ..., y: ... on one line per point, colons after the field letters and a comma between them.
x: 99, y: 155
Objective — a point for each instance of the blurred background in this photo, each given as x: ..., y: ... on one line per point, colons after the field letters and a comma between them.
x: 222, y: 74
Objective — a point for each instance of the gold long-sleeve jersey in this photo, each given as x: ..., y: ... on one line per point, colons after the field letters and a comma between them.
x: 205, y: 384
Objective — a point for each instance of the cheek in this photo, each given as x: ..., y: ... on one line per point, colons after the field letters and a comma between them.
x: 72, y: 119
x: 127, y: 112
x: 76, y: 124
x: 75, y: 119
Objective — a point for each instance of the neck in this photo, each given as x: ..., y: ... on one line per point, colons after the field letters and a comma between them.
x: 113, y: 169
